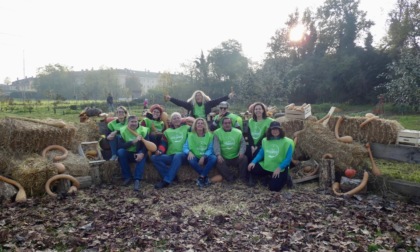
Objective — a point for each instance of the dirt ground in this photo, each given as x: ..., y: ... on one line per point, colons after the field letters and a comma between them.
x: 221, y: 217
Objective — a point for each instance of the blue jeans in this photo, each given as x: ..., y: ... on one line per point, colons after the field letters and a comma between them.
x: 168, y: 165
x: 113, y: 144
x: 209, y: 163
x: 124, y: 158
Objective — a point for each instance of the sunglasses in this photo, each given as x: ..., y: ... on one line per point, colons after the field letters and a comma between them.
x: 223, y: 108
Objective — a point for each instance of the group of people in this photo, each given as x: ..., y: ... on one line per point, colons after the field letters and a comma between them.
x: 203, y: 143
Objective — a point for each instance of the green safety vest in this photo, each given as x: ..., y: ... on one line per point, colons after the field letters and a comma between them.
x: 198, y: 145
x: 199, y: 111
x: 128, y: 136
x: 116, y: 125
x: 230, y: 142
x: 258, y: 129
x: 275, y: 152
x: 176, y: 138
x: 234, y: 118
x: 158, y: 124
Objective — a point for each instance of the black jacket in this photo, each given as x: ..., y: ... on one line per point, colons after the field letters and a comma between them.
x: 207, y: 106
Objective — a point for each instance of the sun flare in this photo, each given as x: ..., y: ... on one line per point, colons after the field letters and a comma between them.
x: 296, y: 33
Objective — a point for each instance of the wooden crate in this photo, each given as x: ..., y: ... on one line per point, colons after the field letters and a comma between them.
x: 84, y: 146
x: 409, y: 138
x: 302, y: 113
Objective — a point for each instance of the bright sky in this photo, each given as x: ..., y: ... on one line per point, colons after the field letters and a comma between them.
x: 156, y: 35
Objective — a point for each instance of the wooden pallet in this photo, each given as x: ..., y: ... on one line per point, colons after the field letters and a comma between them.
x: 409, y: 138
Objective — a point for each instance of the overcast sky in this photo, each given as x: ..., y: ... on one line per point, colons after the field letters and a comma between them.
x: 155, y: 35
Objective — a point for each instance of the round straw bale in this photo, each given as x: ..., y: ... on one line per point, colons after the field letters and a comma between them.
x: 33, y: 172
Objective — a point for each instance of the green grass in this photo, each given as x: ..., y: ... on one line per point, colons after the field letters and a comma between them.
x: 408, y: 121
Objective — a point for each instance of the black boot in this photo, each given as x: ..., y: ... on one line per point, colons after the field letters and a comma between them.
x: 161, y: 185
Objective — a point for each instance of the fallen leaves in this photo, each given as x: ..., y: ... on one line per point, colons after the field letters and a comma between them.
x: 219, y: 218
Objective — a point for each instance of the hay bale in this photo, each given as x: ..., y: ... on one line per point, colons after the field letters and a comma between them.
x: 316, y: 140
x: 290, y: 126
x: 33, y: 172
x: 109, y: 172
x: 377, y: 131
x: 85, y: 132
x: 6, y: 162
x: 76, y: 165
x: 29, y: 137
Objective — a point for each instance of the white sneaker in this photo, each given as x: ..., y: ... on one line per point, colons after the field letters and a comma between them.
x: 113, y: 158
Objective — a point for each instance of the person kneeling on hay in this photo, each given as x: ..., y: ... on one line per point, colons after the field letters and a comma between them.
x: 133, y: 150
x: 273, y: 158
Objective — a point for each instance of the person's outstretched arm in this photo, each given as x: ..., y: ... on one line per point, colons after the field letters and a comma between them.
x: 186, y: 105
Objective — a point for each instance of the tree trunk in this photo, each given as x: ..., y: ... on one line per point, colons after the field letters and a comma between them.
x: 326, y: 174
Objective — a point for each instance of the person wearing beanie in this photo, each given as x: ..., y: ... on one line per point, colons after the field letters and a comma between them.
x: 273, y: 158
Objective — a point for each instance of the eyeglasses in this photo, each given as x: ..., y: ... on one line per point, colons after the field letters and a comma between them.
x: 222, y: 108
x: 120, y: 112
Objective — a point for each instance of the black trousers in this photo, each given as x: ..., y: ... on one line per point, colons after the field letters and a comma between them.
x: 228, y: 173
x: 275, y: 184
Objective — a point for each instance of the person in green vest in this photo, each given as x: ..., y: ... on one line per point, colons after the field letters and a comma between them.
x: 114, y: 127
x: 257, y: 128
x: 155, y: 124
x: 169, y: 156
x: 229, y: 148
x: 133, y: 150
x: 273, y: 158
x: 199, y: 148
x: 199, y: 104
x: 224, y: 112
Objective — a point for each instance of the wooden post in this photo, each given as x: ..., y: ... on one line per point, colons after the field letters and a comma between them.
x: 85, y: 182
x: 94, y: 173
x: 327, y: 174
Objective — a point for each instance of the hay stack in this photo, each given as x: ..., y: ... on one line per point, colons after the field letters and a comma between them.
x: 377, y: 131
x: 290, y: 126
x: 110, y: 172
x: 33, y: 172
x: 85, y: 132
x: 29, y: 137
x: 76, y: 165
x: 316, y: 140
x: 6, y: 162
